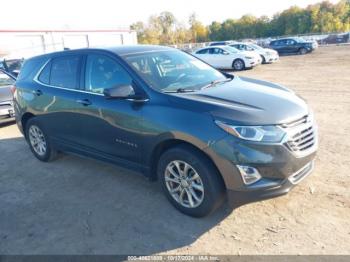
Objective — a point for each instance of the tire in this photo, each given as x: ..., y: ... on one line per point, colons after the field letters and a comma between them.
x: 263, y: 59
x: 238, y: 64
x: 302, y: 51
x: 41, y: 149
x: 208, y: 199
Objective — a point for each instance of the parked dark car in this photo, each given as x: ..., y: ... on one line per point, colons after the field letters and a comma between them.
x: 7, y: 82
x: 335, y: 39
x: 202, y: 133
x: 293, y: 46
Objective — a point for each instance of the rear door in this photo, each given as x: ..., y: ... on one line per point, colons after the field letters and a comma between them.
x: 278, y: 46
x: 111, y: 127
x: 54, y: 98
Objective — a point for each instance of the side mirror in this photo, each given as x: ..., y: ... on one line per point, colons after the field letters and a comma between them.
x: 119, y: 91
x: 124, y: 92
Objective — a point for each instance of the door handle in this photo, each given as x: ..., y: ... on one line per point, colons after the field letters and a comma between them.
x: 37, y: 92
x: 84, y: 102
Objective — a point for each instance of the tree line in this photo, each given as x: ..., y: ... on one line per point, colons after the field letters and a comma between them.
x: 323, y: 17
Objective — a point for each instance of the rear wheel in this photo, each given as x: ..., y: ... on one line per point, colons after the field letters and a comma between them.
x: 238, y: 64
x: 263, y: 59
x: 38, y: 141
x: 190, y: 182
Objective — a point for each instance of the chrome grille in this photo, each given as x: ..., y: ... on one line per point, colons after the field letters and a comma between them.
x: 302, y: 136
x: 295, y: 123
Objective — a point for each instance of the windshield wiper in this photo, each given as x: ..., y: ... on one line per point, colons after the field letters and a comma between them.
x: 215, y: 82
x: 180, y: 90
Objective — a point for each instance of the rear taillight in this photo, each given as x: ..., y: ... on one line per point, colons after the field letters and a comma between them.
x: 13, y: 89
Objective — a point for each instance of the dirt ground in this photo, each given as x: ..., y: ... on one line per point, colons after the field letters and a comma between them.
x: 80, y: 206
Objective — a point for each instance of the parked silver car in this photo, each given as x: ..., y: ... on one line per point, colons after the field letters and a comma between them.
x: 6, y: 95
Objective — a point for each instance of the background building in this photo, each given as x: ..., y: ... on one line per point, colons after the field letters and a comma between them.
x: 27, y: 43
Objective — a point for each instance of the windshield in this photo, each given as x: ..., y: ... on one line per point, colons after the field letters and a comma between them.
x: 231, y: 49
x: 299, y: 39
x: 168, y: 71
x: 256, y: 47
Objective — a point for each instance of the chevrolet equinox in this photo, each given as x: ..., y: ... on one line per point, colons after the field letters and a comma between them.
x: 204, y: 134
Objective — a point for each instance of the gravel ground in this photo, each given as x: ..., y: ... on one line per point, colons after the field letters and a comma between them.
x: 80, y: 206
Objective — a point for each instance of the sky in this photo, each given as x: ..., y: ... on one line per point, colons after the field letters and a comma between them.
x: 108, y: 14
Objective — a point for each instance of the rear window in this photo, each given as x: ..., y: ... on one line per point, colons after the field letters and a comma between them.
x: 64, y: 72
x: 45, y: 74
x: 203, y: 51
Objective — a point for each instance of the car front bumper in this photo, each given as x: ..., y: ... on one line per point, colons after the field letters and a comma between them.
x: 271, y: 58
x: 279, y: 167
x: 266, y: 188
x: 253, y: 62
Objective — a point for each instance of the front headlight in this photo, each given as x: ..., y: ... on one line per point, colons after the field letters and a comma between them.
x: 272, y: 134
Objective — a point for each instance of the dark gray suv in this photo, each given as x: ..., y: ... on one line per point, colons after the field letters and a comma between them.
x: 203, y: 134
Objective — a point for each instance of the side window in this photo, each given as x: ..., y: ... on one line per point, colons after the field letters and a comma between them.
x: 248, y: 48
x: 44, y: 76
x: 203, y: 51
x: 103, y: 72
x: 5, y: 80
x: 217, y: 51
x: 64, y: 72
x: 279, y: 42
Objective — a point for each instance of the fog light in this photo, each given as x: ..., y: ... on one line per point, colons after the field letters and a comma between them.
x: 249, y: 174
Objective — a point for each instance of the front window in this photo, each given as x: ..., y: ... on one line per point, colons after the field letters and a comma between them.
x: 102, y: 73
x: 168, y: 71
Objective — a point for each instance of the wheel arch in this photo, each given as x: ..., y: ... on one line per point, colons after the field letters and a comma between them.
x: 24, y: 120
x: 171, y: 143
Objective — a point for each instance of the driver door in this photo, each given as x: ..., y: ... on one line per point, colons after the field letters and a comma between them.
x: 111, y: 127
x: 219, y: 57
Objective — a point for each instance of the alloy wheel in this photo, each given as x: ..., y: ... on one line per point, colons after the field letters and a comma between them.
x: 37, y: 140
x: 184, y: 184
x: 238, y: 65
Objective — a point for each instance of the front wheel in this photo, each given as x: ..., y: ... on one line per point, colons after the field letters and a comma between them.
x: 190, y: 182
x: 238, y: 64
x: 263, y: 59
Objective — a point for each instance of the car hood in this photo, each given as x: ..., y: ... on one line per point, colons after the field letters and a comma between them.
x: 247, y: 101
x: 270, y: 50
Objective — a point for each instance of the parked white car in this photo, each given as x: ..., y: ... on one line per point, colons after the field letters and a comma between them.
x: 227, y: 57
x: 267, y: 55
